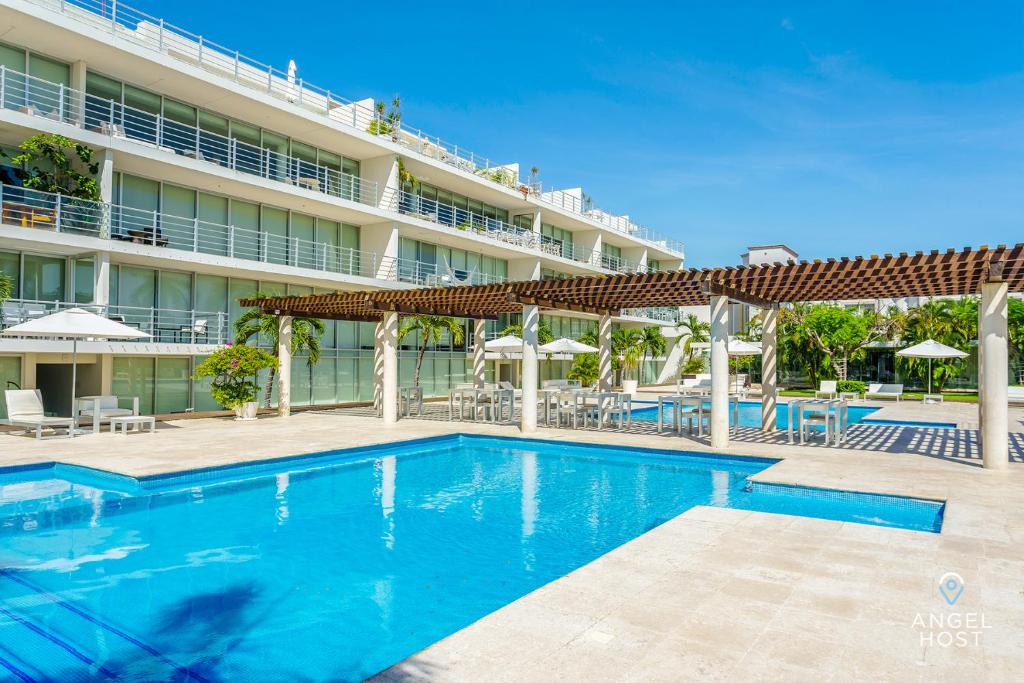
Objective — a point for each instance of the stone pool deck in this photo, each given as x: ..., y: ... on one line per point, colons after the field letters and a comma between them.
x: 714, y: 593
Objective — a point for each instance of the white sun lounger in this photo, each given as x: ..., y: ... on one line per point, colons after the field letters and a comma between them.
x: 884, y: 391
x: 25, y: 409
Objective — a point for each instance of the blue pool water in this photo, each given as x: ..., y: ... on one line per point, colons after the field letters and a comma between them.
x: 750, y: 416
x: 335, y: 566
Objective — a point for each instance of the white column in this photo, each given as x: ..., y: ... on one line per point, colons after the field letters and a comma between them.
x: 77, y: 99
x: 604, y: 352
x: 284, y: 367
x: 101, y: 278
x: 389, y: 394
x: 719, y: 371
x: 769, y: 360
x: 531, y: 320
x: 378, y: 365
x: 994, y: 375
x: 479, y: 359
x: 106, y: 176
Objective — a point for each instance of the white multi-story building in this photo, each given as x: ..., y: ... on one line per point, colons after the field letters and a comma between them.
x: 220, y: 177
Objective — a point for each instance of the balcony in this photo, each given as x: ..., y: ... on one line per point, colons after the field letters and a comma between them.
x: 666, y: 315
x: 433, y: 275
x: 57, y: 213
x: 152, y: 33
x: 163, y: 324
x: 57, y: 102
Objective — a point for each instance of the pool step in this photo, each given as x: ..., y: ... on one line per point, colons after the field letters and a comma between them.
x: 45, y: 638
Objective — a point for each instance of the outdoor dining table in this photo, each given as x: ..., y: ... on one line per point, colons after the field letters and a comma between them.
x: 836, y: 413
x: 677, y: 401
x: 408, y: 397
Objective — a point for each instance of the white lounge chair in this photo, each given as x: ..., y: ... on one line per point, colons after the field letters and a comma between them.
x: 99, y: 409
x: 884, y: 391
x: 1015, y: 395
x: 507, y: 386
x: 827, y: 389
x: 25, y: 409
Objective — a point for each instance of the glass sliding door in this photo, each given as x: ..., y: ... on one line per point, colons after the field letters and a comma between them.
x: 142, y: 114
x: 274, y: 233
x: 135, y: 376
x: 177, y: 221
x: 171, y: 385
x: 179, y: 128
x: 303, y: 233
x: 213, y: 221
x: 42, y: 278
x: 245, y: 218
x: 174, y: 299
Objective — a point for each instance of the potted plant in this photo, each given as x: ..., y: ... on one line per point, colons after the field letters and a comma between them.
x: 233, y: 371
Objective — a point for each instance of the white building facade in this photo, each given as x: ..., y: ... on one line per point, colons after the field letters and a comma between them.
x: 221, y: 177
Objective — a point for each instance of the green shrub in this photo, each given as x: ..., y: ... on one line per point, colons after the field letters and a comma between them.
x: 234, y: 370
x: 852, y: 385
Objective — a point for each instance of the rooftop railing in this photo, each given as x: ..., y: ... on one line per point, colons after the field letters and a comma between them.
x: 128, y: 23
x: 165, y: 325
x: 663, y: 314
x: 55, y: 101
x: 60, y: 213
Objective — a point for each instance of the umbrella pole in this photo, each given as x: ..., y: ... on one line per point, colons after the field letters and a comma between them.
x: 74, y: 380
x: 929, y: 375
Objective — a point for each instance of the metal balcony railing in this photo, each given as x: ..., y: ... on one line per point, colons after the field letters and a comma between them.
x: 55, y: 101
x: 164, y: 324
x: 127, y: 23
x: 664, y: 314
x: 434, y: 275
x: 59, y: 213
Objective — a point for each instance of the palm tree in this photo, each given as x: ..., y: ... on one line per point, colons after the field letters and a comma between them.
x: 6, y: 290
x: 627, y: 345
x: 306, y: 333
x: 431, y: 328
x: 697, y: 332
x: 653, y: 343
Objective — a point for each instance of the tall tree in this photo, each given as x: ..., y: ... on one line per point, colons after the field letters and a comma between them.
x: 431, y: 328
x: 54, y: 163
x: 544, y: 333
x: 652, y: 343
x: 697, y: 331
x: 627, y: 346
x: 306, y: 333
x: 843, y: 333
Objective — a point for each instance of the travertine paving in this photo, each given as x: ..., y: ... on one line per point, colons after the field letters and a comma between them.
x: 713, y: 594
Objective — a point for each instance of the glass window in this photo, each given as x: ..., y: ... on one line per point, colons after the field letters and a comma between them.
x: 303, y: 229
x: 238, y: 289
x: 213, y: 138
x: 134, y: 376
x: 102, y: 100
x: 136, y: 287
x: 140, y: 113
x: 213, y: 221
x: 274, y: 225
x: 327, y: 242
x: 140, y: 193
x: 172, y: 385
x: 176, y: 292
x: 211, y: 293
x: 43, y: 278
x: 10, y: 264
x: 179, y: 129
x: 45, y: 93
x: 10, y: 371
x: 246, y: 217
x: 178, y: 227
x: 12, y: 57
x: 329, y: 160
x: 277, y: 159
x: 84, y: 283
x: 248, y: 154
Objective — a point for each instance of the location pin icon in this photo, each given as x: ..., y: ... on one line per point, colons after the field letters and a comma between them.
x: 951, y: 587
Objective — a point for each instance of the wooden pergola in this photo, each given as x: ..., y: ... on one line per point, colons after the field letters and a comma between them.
x: 991, y: 273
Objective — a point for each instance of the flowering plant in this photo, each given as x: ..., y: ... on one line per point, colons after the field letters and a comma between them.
x: 233, y: 370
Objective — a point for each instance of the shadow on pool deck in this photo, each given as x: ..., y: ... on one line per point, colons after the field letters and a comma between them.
x: 951, y: 445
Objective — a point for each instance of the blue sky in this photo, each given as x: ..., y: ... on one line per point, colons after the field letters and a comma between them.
x: 840, y: 128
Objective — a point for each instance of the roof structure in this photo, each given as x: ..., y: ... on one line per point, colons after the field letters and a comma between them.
x: 934, y: 273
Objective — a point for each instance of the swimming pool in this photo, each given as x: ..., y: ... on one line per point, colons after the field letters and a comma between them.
x: 337, y: 565
x: 750, y: 415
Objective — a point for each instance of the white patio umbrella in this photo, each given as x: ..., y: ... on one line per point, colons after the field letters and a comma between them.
x: 292, y: 73
x: 931, y: 349
x: 736, y: 347
x: 566, y: 345
x: 507, y: 344
x: 74, y: 324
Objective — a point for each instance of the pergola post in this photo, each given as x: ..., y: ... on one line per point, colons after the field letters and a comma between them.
x: 604, y: 352
x: 528, y: 412
x: 378, y: 366
x: 479, y: 362
x: 719, y: 371
x: 993, y: 375
x: 284, y: 365
x: 769, y: 360
x: 389, y: 392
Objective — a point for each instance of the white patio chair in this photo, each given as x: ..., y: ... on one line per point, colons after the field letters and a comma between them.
x: 827, y: 389
x: 25, y: 409
x: 98, y: 409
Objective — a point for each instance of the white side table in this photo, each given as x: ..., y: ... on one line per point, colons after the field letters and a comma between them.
x: 136, y: 422
x: 848, y: 396
x: 931, y: 398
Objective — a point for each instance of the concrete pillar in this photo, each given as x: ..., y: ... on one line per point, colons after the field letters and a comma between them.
x: 378, y: 366
x: 719, y: 371
x: 382, y: 240
x: 106, y: 364
x: 479, y: 359
x: 106, y: 176
x: 101, y: 278
x: 994, y: 375
x: 77, y: 99
x: 284, y: 365
x: 531, y: 321
x: 389, y: 394
x: 28, y: 371
x: 769, y: 361
x: 537, y: 221
x: 604, y: 352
